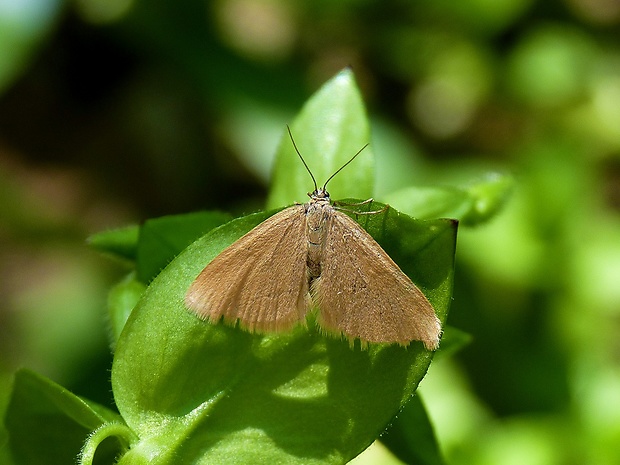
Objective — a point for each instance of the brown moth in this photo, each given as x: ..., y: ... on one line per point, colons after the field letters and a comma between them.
x: 314, y: 255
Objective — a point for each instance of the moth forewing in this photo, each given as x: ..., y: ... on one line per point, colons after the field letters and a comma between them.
x: 260, y: 280
x: 364, y: 295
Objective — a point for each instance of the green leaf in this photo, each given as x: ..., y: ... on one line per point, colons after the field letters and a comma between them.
x: 489, y: 195
x: 121, y: 242
x: 122, y: 299
x: 452, y: 341
x: 473, y: 204
x: 161, y: 239
x: 158, y: 241
x: 431, y: 202
x: 196, y: 392
x: 330, y: 129
x: 48, y: 424
x: 25, y: 31
x: 411, y: 437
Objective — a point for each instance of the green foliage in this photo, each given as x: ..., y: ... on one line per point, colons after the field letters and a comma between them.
x: 116, y: 111
x: 192, y: 392
x: 296, y: 398
x: 48, y: 424
x: 411, y: 437
x: 161, y: 239
x: 472, y: 204
x: 121, y: 242
x: 23, y: 27
x: 329, y: 130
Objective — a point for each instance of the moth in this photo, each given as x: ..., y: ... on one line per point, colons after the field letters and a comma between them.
x: 313, y: 255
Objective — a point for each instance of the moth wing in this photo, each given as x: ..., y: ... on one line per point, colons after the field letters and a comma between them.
x: 260, y: 280
x: 363, y: 294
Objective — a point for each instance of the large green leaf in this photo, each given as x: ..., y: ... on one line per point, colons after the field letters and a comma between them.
x: 196, y: 392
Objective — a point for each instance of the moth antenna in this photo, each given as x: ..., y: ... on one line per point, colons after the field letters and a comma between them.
x: 302, y: 158
x: 341, y: 168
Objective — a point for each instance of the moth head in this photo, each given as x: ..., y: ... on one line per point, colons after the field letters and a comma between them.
x: 319, y: 194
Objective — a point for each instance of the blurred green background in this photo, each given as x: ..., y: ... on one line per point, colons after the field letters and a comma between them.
x: 114, y: 111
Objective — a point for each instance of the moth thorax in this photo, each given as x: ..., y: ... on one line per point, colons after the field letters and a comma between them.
x: 318, y: 216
